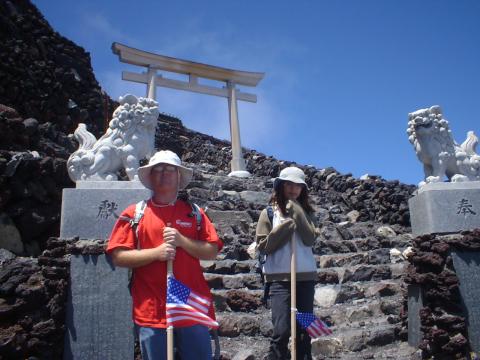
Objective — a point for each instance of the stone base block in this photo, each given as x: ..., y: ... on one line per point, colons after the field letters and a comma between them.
x: 99, y: 323
x: 467, y: 268
x: 445, y: 208
x: 415, y: 304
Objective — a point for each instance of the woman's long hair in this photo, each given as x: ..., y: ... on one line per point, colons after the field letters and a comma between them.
x: 278, y: 198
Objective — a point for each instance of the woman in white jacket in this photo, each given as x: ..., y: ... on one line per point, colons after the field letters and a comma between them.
x: 292, y: 217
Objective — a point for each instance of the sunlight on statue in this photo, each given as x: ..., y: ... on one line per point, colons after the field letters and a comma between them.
x: 441, y: 156
x: 129, y: 138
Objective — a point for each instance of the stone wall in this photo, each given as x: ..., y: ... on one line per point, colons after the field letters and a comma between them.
x: 32, y: 304
x: 442, y: 319
x: 33, y: 173
x: 47, y: 87
x: 33, y: 298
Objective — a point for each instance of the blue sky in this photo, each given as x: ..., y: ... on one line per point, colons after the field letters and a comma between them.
x: 340, y: 75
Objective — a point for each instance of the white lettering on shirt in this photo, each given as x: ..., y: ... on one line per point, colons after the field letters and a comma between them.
x: 183, y: 223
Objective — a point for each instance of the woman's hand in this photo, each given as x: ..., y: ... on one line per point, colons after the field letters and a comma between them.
x: 294, y: 209
x: 303, y: 222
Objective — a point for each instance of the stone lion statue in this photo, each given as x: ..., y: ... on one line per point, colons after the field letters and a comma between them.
x: 129, y: 138
x: 441, y: 156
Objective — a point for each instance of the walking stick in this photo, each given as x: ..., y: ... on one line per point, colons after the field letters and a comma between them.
x: 293, y: 298
x: 170, y: 327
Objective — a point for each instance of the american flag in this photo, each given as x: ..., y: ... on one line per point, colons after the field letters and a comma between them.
x: 183, y: 305
x: 314, y: 326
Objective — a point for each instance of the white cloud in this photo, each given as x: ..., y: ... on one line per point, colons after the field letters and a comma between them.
x: 96, y: 23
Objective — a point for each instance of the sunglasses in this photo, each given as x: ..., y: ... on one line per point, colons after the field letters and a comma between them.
x: 164, y: 168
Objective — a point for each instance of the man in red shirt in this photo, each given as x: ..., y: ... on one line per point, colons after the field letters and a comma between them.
x: 167, y: 231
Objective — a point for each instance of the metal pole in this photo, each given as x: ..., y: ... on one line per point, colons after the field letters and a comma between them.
x: 170, y: 327
x: 293, y: 298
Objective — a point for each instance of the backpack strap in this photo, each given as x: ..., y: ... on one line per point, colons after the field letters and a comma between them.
x: 139, y: 211
x: 196, y: 213
x: 270, y: 213
x: 137, y: 216
x: 261, y: 260
x: 261, y: 256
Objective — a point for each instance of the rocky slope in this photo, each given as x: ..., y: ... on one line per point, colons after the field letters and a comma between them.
x: 47, y: 87
x: 46, y: 76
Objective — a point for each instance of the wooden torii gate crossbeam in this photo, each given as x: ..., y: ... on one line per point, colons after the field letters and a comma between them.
x: 194, y: 70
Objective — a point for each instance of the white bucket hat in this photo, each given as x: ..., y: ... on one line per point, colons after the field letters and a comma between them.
x: 293, y: 174
x: 165, y: 157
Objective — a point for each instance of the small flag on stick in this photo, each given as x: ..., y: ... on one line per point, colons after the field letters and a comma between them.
x: 184, y: 305
x: 314, y: 326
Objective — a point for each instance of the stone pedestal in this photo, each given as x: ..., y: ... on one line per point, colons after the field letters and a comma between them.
x: 90, y: 210
x: 99, y: 322
x: 445, y: 208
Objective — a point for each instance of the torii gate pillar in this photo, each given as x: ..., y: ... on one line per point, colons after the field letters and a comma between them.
x: 193, y: 70
x: 238, y: 165
x: 151, y: 87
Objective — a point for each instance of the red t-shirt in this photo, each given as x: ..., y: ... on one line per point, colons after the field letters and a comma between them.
x: 149, y: 286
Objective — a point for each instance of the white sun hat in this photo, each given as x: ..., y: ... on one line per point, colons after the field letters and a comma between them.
x: 165, y: 157
x: 293, y: 174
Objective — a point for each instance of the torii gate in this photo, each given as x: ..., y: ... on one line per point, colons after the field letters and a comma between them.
x: 194, y: 70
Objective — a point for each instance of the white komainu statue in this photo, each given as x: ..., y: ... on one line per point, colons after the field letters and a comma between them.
x: 129, y: 138
x: 441, y: 156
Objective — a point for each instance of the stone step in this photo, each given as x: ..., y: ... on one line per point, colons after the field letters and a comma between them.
x: 231, y: 223
x: 239, y: 334
x: 356, y: 273
x: 359, y: 314
x: 351, y: 340
x: 329, y: 247
x: 244, y: 347
x: 238, y: 300
x: 248, y: 348
x: 332, y: 275
x: 238, y: 281
x: 233, y: 324
x: 374, y: 257
x: 328, y: 295
x: 345, y: 259
x: 398, y: 350
x: 353, y: 313
x: 229, y: 266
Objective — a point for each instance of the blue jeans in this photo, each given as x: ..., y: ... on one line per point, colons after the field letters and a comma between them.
x: 192, y: 343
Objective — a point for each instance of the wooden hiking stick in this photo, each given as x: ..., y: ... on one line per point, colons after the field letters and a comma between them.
x: 293, y: 299
x: 169, y: 327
